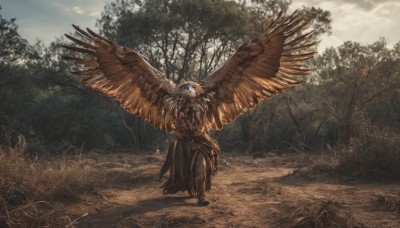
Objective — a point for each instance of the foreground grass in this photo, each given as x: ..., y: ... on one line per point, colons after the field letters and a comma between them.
x: 31, y: 191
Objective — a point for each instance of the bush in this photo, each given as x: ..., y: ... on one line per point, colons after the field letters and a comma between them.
x: 373, y: 155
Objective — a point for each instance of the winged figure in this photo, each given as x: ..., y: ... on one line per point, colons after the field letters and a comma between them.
x: 260, y: 69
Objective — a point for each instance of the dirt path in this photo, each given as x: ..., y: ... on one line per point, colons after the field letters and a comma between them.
x: 245, y: 193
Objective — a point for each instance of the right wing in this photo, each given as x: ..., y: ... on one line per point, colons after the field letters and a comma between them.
x: 260, y: 69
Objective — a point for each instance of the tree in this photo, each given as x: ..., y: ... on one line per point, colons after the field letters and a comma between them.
x: 355, y: 77
x: 189, y: 39
x: 185, y: 39
x: 12, y: 47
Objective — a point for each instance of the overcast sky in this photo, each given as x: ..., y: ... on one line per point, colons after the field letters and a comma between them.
x: 357, y: 20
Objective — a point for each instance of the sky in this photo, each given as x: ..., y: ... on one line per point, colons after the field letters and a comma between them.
x: 364, y: 21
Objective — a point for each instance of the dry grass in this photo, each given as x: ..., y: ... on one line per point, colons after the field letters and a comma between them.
x: 323, y: 214
x: 179, y: 221
x: 31, y: 191
x: 389, y: 201
x: 374, y: 155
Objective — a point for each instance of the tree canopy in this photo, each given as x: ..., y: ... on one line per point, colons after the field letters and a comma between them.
x: 189, y: 39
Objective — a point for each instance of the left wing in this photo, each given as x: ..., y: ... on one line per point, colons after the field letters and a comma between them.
x: 124, y: 75
x: 259, y: 70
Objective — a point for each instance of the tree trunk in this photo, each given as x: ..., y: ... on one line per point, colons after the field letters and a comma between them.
x: 296, y: 123
x: 140, y: 132
x: 125, y: 124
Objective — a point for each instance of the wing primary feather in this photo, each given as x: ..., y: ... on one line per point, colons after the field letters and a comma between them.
x: 85, y: 62
x: 299, y: 39
x: 81, y: 50
x: 297, y: 57
x: 289, y: 20
x: 296, y: 27
x: 299, y: 48
x: 98, y: 37
x: 83, y: 33
x: 294, y: 72
x: 79, y: 42
x: 272, y: 26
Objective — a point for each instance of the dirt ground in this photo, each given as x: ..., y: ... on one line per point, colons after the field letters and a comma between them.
x: 274, y: 191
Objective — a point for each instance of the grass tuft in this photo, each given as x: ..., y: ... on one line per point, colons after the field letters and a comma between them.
x: 323, y: 214
x: 31, y: 191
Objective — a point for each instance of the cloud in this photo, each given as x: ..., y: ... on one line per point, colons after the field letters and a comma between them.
x: 367, y: 4
x: 94, y: 14
x: 78, y: 10
x: 363, y: 21
x: 340, y: 26
x: 329, y: 41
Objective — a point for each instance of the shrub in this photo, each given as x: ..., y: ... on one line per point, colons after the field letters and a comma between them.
x: 373, y: 155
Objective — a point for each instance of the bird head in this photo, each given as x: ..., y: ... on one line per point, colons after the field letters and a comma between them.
x: 189, y: 89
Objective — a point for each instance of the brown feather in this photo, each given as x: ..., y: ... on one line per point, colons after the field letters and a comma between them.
x: 259, y: 69
x: 77, y: 49
x: 79, y: 42
x: 124, y: 75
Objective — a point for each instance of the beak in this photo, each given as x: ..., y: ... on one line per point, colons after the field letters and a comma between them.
x: 190, y: 91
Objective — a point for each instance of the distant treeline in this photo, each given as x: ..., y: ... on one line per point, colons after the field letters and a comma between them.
x: 352, y: 86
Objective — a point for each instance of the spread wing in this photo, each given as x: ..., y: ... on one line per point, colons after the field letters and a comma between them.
x: 124, y: 75
x: 260, y: 69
